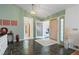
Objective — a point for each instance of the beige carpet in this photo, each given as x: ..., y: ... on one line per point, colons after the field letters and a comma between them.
x: 46, y: 42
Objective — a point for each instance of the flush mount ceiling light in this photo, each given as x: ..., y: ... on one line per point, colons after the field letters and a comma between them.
x: 33, y: 12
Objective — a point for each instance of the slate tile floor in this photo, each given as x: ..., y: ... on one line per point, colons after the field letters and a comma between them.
x: 30, y: 47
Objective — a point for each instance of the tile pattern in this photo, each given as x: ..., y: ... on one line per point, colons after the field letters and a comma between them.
x: 30, y: 47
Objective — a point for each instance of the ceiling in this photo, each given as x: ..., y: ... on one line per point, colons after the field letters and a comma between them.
x: 44, y: 10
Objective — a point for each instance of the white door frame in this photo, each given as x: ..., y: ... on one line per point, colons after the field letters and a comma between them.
x: 61, y: 29
x: 30, y: 20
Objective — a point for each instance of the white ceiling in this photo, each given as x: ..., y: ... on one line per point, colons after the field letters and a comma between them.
x: 44, y: 10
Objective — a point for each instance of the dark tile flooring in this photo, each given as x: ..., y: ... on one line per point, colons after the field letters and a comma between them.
x: 30, y: 47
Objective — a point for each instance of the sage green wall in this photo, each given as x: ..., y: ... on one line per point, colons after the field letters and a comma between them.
x: 57, y: 14
x: 13, y: 12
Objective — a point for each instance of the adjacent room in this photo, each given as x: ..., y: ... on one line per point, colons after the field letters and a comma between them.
x: 39, y: 29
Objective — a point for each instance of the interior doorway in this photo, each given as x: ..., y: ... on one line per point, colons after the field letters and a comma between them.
x: 42, y: 29
x: 28, y: 28
x: 46, y: 29
x: 39, y: 29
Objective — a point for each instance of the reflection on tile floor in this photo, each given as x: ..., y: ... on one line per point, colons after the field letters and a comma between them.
x: 30, y: 47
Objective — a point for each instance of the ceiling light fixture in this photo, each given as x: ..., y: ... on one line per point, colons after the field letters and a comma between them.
x: 33, y: 12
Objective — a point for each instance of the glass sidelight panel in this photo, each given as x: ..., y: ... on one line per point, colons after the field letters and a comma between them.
x: 62, y: 30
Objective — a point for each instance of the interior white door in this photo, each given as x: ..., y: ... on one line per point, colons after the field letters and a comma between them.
x: 39, y: 29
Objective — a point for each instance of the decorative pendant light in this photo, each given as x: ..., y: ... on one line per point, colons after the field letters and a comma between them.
x: 33, y: 9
